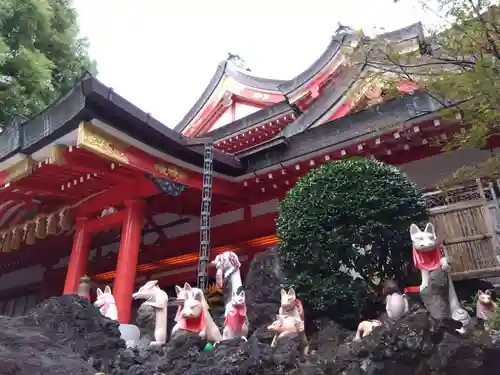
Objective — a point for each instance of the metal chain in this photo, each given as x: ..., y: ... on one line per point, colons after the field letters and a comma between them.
x: 206, y: 206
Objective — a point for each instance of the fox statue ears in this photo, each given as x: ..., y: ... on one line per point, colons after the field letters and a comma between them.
x: 291, y: 293
x: 178, y: 290
x: 429, y: 228
x: 487, y: 292
x: 151, y: 283
x: 107, y: 290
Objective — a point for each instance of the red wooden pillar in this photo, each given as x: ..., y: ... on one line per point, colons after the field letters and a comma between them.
x: 79, y: 256
x: 127, y: 259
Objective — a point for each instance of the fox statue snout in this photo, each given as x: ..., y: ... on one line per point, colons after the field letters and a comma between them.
x: 147, y: 291
x: 192, y: 309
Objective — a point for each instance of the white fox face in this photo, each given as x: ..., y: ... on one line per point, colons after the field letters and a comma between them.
x: 193, y: 303
x: 484, y: 297
x: 238, y: 299
x: 104, y: 298
x: 425, y: 240
x: 146, y: 291
x: 288, y: 299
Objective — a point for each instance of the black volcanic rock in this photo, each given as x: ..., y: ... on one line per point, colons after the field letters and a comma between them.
x: 66, y: 335
x: 25, y: 349
x: 262, y: 289
x: 71, y: 321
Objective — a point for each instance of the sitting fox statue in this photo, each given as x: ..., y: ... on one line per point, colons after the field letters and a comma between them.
x: 428, y: 256
x: 291, y: 305
x: 195, y: 317
x: 485, y: 306
x: 236, y: 323
x: 105, y: 302
x: 285, y: 325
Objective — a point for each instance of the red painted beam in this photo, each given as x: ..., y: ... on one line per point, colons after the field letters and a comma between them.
x: 115, y: 196
x: 234, y: 233
x: 105, y: 223
x: 81, y: 164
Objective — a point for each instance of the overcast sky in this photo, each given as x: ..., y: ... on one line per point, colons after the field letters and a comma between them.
x: 161, y: 54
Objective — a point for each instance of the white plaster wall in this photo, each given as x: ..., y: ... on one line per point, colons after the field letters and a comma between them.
x: 64, y: 261
x: 243, y: 110
x: 263, y: 208
x: 430, y: 171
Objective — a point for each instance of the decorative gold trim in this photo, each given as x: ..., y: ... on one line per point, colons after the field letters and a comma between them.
x: 170, y: 171
x: 56, y: 154
x: 20, y: 170
x: 97, y: 141
x: 213, y: 289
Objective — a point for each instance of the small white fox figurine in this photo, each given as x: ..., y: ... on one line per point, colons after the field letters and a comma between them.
x: 365, y: 328
x: 485, y: 306
x: 236, y: 323
x: 158, y: 299
x: 291, y: 305
x: 105, y: 302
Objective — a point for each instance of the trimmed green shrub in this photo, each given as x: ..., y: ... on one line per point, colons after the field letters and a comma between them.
x: 348, y: 218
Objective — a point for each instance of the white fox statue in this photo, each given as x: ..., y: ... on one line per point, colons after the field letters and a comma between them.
x: 105, y: 302
x: 158, y: 299
x: 429, y: 255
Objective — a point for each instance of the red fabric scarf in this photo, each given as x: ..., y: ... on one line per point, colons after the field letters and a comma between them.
x: 429, y: 260
x: 104, y: 308
x: 193, y: 324
x: 236, y: 317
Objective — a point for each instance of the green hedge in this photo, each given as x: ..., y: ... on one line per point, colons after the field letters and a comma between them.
x: 356, y: 201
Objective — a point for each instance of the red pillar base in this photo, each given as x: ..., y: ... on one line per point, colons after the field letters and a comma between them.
x: 127, y: 259
x: 79, y: 257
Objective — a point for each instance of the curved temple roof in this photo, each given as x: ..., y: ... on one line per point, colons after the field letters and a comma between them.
x: 227, y: 69
x: 90, y: 99
x: 299, y: 85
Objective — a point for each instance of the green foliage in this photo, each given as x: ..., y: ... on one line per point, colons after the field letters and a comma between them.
x: 494, y: 319
x: 460, y: 66
x: 41, y: 55
x: 351, y: 214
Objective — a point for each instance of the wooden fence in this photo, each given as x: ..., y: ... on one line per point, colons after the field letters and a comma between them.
x: 466, y: 225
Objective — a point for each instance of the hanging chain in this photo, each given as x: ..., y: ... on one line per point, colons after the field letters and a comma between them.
x: 206, y: 206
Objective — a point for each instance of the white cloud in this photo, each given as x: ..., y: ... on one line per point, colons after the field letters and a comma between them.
x: 161, y: 54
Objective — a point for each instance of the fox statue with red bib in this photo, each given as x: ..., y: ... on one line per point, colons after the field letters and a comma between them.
x: 429, y: 256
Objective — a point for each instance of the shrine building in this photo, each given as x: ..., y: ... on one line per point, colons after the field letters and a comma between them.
x: 93, y: 185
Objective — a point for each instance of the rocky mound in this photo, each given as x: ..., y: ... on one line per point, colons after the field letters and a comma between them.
x: 67, y: 335
x: 74, y: 323
x: 28, y: 350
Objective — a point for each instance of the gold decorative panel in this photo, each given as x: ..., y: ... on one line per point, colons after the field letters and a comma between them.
x: 97, y: 141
